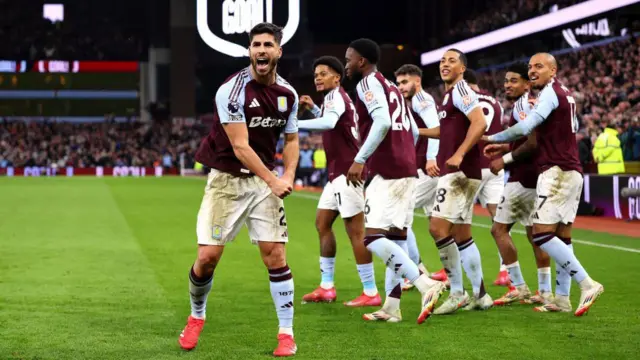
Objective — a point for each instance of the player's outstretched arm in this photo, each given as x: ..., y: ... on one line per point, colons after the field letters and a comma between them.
x: 290, y: 156
x: 547, y: 102
x: 326, y: 122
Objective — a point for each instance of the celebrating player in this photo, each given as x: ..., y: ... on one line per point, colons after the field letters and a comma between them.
x: 337, y: 119
x: 492, y: 185
x: 241, y: 187
x: 560, y: 181
x: 462, y: 123
x: 409, y: 80
x: 519, y: 197
x: 386, y: 127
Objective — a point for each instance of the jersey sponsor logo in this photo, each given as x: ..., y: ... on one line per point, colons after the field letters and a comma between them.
x: 233, y: 107
x: 282, y: 103
x: 446, y: 99
x: 258, y: 121
x: 522, y: 115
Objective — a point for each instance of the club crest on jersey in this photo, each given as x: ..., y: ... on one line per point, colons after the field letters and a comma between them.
x: 328, y: 105
x: 446, y: 99
x: 282, y: 103
x: 424, y: 104
x: 466, y: 100
x: 368, y: 96
x: 522, y: 115
x: 216, y: 232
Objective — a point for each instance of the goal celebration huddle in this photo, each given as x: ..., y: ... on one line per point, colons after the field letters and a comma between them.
x: 391, y: 150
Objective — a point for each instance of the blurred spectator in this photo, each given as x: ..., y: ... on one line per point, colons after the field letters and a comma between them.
x: 305, y: 164
x: 607, y: 152
x: 320, y: 163
x: 584, y: 148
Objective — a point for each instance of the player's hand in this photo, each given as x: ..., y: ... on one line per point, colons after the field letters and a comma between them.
x: 306, y: 102
x: 280, y: 188
x: 432, y: 168
x: 496, y: 165
x: 288, y: 179
x: 493, y: 150
x: 454, y: 162
x: 354, y: 176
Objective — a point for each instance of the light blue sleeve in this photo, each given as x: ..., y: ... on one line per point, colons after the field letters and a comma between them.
x: 414, y: 129
x: 316, y: 111
x: 292, y: 121
x: 547, y: 102
x: 326, y: 122
x: 230, y: 111
x: 379, y: 129
x: 428, y: 113
x: 464, y: 98
x: 373, y: 97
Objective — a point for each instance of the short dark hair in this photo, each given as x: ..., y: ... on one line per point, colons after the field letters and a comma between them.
x: 470, y: 77
x: 266, y: 28
x: 521, y: 69
x: 408, y: 69
x: 462, y: 56
x: 367, y: 48
x: 332, y: 62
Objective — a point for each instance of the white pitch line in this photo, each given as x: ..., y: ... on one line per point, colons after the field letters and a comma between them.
x: 577, y: 241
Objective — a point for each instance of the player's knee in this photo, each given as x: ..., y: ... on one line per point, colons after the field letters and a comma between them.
x: 498, y: 230
x: 274, y: 257
x: 438, y: 232
x: 322, y: 226
x: 209, y: 255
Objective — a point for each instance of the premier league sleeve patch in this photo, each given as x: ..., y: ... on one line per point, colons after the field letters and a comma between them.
x: 233, y: 107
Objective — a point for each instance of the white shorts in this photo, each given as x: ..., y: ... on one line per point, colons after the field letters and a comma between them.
x: 517, y: 204
x: 558, y: 196
x: 229, y: 202
x: 425, y: 192
x: 389, y: 203
x: 339, y: 196
x: 455, y: 198
x: 491, y: 187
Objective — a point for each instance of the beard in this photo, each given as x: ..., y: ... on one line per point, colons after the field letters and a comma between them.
x: 271, y: 67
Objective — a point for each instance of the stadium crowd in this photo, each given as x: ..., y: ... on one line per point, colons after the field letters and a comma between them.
x: 106, y: 144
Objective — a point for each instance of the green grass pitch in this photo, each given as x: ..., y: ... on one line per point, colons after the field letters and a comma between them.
x: 97, y: 269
